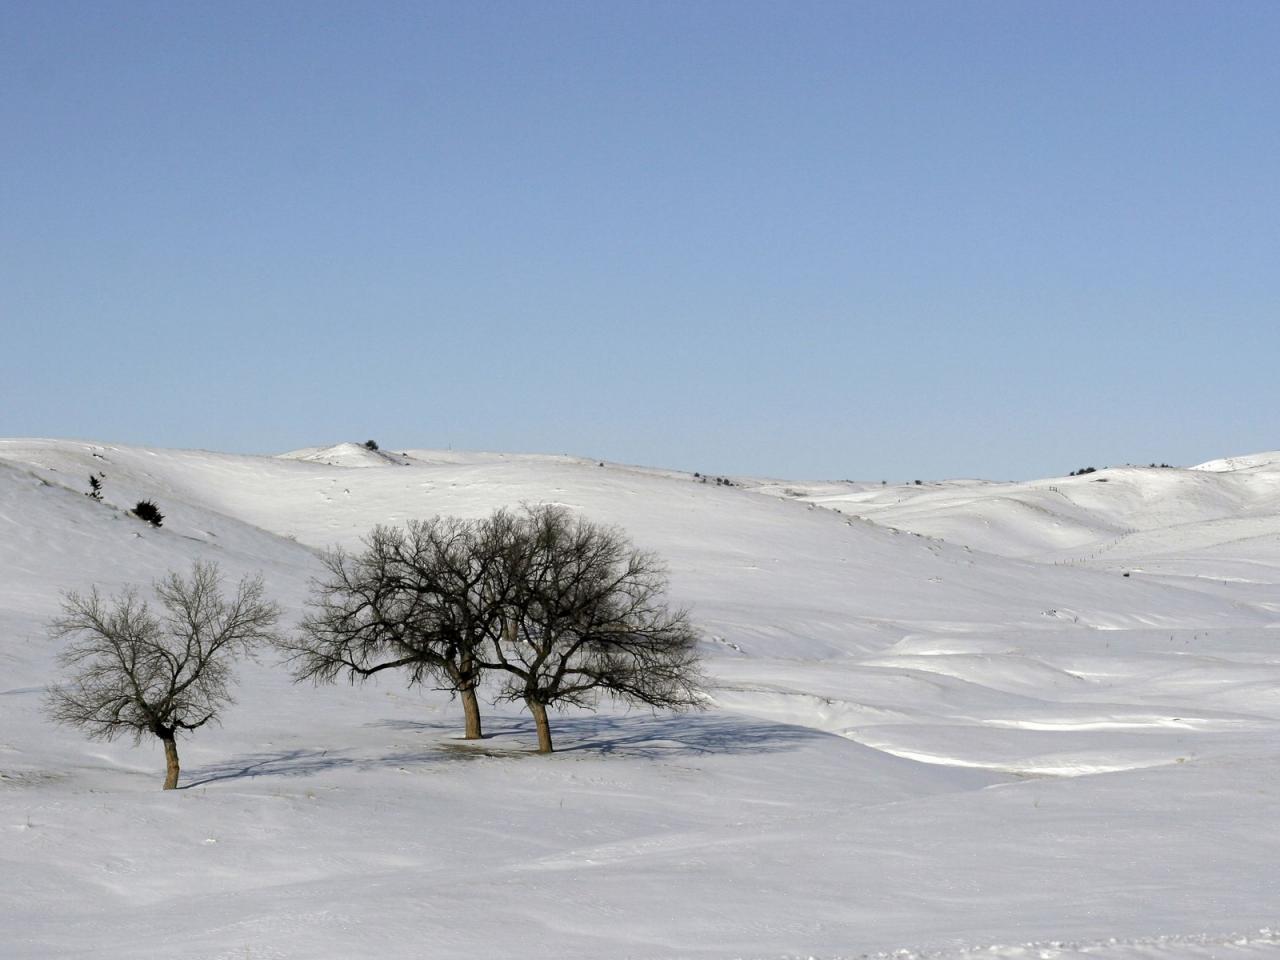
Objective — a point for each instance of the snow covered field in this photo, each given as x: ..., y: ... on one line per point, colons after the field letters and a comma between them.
x: 946, y: 725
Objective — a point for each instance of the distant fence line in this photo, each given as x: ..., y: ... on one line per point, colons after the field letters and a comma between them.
x: 1098, y: 551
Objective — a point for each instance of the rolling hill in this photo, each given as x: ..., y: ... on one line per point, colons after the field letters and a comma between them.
x: 946, y: 719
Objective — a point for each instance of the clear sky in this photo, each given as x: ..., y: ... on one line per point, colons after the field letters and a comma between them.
x: 867, y: 240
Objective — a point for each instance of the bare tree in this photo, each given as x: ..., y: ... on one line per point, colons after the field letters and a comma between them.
x: 588, y: 617
x: 424, y: 599
x: 139, y: 672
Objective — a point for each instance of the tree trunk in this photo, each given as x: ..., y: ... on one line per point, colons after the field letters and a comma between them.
x: 539, y: 711
x: 471, y: 710
x: 171, y: 763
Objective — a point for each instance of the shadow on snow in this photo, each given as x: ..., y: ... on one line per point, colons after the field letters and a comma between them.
x: 658, y: 737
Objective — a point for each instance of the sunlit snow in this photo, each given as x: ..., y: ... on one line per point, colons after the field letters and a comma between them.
x: 953, y: 720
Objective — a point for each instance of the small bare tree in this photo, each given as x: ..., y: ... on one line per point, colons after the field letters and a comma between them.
x: 424, y: 599
x: 139, y: 672
x: 588, y: 617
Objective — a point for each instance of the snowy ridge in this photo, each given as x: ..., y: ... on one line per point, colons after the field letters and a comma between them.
x: 345, y: 455
x: 968, y: 736
x: 1249, y: 462
x: 1071, y: 519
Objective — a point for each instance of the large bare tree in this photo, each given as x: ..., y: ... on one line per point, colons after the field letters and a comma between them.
x: 136, y: 671
x: 587, y: 616
x: 423, y: 599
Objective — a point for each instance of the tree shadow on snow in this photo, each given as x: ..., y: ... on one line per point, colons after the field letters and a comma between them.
x: 656, y: 736
x: 302, y: 763
x: 639, y: 736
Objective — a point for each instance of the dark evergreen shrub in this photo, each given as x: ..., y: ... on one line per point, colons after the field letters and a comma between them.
x: 148, y: 511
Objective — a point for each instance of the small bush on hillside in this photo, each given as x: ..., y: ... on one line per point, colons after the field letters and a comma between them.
x: 148, y: 511
x: 718, y: 481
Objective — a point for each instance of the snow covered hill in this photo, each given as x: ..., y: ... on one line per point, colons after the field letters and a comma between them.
x: 946, y: 722
x: 1108, y: 519
x: 1233, y: 464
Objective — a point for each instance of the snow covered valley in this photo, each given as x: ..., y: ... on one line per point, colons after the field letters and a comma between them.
x: 954, y: 720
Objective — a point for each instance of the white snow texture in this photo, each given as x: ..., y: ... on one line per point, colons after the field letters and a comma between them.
x: 954, y: 721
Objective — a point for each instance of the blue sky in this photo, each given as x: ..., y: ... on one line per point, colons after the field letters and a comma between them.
x: 867, y: 240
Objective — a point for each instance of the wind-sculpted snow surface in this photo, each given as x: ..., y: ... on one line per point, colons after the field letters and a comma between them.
x: 991, y: 744
x: 1260, y: 943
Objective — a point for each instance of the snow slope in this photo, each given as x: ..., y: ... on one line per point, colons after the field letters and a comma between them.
x: 973, y: 739
x: 1108, y: 518
x: 1249, y: 462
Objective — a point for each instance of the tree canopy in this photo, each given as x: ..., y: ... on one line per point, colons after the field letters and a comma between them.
x: 137, y: 671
